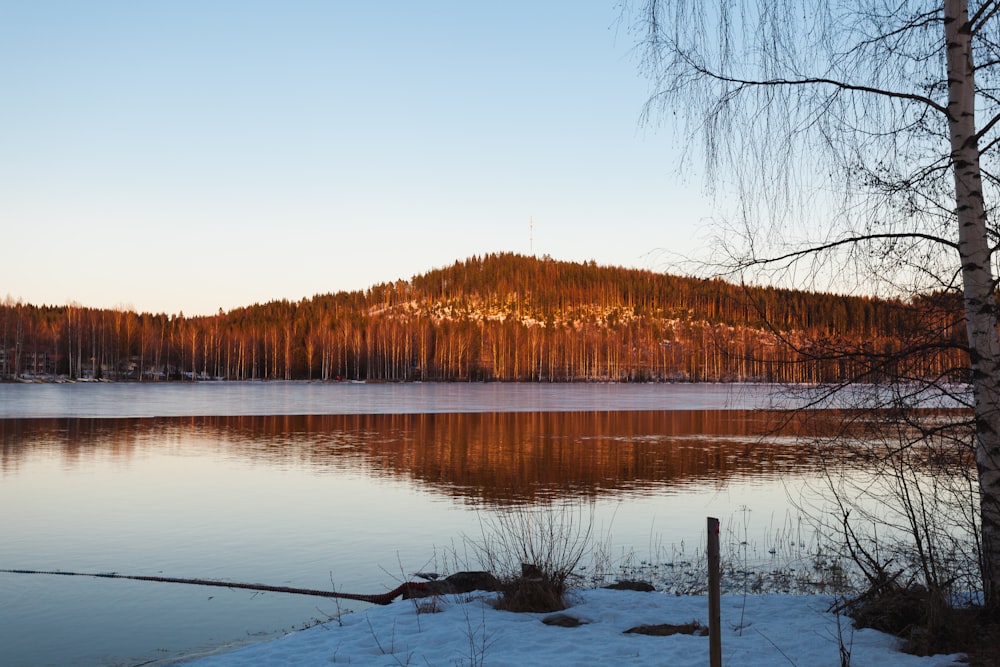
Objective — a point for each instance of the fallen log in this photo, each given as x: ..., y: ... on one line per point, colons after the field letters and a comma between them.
x: 460, y: 582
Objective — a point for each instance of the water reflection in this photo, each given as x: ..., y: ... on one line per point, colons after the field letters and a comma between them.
x: 346, y: 500
x: 475, y: 457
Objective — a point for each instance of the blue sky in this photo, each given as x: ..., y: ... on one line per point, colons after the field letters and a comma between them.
x: 196, y: 155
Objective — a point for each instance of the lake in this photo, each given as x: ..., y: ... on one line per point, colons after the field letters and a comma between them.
x: 346, y: 486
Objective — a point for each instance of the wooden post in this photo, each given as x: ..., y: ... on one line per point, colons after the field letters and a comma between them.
x: 714, y: 595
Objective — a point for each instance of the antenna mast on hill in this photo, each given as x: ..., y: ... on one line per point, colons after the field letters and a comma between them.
x: 531, y: 235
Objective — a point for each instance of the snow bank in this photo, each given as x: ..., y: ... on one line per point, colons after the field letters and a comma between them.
x: 466, y: 630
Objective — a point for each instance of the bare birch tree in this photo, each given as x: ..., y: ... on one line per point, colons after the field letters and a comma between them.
x: 859, y: 139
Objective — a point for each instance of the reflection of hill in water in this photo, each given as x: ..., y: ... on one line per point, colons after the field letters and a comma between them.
x: 489, y: 456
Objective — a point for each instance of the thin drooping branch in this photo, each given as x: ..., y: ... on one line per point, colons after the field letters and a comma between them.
x: 812, y: 81
x: 983, y: 15
x: 920, y: 21
x: 990, y: 124
x: 848, y: 241
x: 860, y: 107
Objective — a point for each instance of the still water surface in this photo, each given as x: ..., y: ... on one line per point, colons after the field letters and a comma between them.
x: 351, y: 487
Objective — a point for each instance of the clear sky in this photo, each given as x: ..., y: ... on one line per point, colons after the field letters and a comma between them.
x: 193, y: 155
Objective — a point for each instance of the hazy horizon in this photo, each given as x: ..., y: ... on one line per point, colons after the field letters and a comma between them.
x: 129, y: 307
x: 191, y: 157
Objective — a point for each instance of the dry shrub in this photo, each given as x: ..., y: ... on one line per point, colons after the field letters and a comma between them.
x: 533, y: 591
x: 533, y: 551
x: 927, y: 623
x: 907, y: 502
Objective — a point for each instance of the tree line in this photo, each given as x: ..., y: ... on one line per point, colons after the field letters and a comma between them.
x: 505, y: 317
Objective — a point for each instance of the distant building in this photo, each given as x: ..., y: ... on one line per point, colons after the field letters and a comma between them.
x: 25, y: 363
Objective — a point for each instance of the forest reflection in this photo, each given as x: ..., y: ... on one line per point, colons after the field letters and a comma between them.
x: 473, y: 457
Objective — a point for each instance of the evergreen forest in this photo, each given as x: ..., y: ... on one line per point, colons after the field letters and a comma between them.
x: 506, y: 317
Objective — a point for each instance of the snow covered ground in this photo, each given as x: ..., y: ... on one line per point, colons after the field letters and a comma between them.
x: 466, y: 630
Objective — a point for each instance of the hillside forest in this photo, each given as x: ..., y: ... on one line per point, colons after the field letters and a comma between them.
x: 505, y: 317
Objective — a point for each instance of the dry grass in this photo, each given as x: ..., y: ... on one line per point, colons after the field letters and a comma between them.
x: 533, y: 552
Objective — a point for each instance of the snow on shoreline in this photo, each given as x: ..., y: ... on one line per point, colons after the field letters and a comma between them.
x: 466, y: 630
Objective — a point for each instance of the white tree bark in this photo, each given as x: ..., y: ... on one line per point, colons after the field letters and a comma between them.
x: 855, y: 88
x: 978, y: 285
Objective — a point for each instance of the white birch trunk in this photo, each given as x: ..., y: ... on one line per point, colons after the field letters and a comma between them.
x: 978, y: 287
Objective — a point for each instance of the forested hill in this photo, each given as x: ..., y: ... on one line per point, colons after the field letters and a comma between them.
x: 503, y: 317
